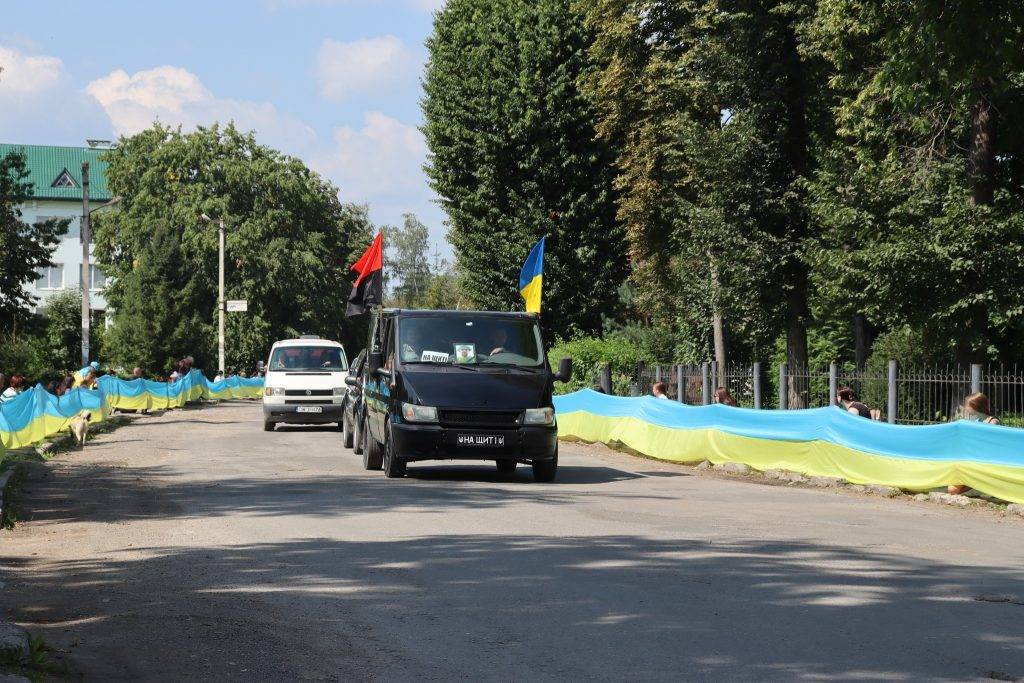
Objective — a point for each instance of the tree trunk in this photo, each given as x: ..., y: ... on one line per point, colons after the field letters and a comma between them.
x: 981, y: 153
x: 861, y: 340
x: 797, y: 148
x: 717, y: 322
x: 797, y: 313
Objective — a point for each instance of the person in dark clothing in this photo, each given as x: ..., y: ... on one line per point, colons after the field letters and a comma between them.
x: 847, y: 400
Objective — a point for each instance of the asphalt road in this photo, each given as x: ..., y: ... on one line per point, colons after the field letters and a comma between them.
x: 194, y: 546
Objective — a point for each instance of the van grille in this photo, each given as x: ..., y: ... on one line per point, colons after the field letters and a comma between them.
x: 310, y: 392
x: 466, y: 418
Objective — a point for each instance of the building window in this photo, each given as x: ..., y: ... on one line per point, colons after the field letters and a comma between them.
x: 52, y: 277
x: 97, y: 278
x: 64, y: 180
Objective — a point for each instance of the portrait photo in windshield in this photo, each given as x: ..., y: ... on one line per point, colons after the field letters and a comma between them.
x: 308, y: 359
x: 470, y: 340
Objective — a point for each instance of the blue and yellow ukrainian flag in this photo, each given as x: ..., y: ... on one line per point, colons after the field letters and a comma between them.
x: 531, y: 278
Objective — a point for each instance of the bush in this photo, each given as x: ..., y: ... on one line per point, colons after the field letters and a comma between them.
x: 589, y: 354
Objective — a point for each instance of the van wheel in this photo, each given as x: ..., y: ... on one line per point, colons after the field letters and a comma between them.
x: 373, y: 459
x: 346, y: 433
x: 357, y: 436
x: 394, y: 468
x: 506, y: 466
x: 544, y: 470
x: 268, y: 426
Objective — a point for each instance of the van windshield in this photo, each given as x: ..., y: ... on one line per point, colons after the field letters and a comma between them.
x: 470, y: 340
x: 307, y: 359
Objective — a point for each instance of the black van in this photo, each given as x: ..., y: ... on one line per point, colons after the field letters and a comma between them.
x: 458, y: 385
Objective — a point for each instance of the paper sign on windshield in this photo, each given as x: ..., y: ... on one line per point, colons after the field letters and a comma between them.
x: 434, y: 357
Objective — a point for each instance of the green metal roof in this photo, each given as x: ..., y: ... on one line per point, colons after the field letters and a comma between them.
x: 46, y: 164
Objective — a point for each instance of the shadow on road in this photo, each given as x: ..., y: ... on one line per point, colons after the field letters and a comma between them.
x: 585, y: 607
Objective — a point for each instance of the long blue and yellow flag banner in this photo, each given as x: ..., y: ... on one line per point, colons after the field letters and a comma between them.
x: 35, y: 414
x: 531, y: 278
x: 825, y: 442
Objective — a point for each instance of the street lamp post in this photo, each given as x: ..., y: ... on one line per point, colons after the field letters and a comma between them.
x: 221, y: 304
x: 86, y: 238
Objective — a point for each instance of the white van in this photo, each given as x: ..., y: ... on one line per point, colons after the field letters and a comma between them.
x: 305, y: 383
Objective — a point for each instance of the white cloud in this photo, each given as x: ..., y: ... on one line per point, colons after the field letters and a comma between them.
x: 383, y: 158
x: 175, y: 96
x: 364, y: 65
x: 28, y: 74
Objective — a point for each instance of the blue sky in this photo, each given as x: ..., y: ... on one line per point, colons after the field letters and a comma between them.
x: 335, y: 82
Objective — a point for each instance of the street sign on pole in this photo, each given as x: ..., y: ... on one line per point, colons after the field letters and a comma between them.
x: 238, y: 305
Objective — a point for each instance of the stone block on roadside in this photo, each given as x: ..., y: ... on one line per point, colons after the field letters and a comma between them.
x: 733, y: 467
x: 950, y: 499
x: 884, y: 491
x: 775, y: 474
x: 14, y: 641
x: 859, y: 488
x: 1015, y: 509
x: 705, y: 465
x: 826, y: 482
x: 921, y: 497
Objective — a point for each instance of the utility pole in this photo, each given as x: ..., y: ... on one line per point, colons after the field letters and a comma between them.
x: 221, y: 303
x: 86, y: 239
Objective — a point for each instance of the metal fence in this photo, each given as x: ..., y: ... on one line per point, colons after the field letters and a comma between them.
x: 901, y: 395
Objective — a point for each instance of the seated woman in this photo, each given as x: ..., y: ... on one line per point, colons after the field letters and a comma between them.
x: 977, y: 408
x: 723, y: 396
x: 848, y: 401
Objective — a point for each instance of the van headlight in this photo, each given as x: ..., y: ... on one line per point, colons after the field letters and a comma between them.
x: 339, y: 391
x: 413, y: 413
x: 273, y: 391
x: 539, y: 416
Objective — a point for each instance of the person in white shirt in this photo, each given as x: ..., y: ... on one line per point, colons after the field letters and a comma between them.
x: 659, y: 390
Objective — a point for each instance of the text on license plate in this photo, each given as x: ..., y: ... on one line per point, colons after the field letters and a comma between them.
x: 481, y: 439
x: 309, y: 409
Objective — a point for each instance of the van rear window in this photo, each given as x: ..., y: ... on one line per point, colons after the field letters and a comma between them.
x: 307, y: 359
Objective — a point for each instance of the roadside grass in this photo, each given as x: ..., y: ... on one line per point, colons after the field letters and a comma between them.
x: 38, y: 665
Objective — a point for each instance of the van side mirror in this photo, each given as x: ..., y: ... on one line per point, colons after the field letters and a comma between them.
x: 564, y: 373
x: 352, y: 380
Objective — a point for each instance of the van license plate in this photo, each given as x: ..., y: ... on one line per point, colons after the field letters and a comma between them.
x: 309, y: 409
x: 485, y: 440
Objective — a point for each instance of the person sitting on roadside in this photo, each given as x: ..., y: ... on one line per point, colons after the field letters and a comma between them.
x: 847, y: 400
x: 66, y: 384
x: 977, y: 408
x: 723, y: 396
x: 16, y: 387
x: 659, y: 390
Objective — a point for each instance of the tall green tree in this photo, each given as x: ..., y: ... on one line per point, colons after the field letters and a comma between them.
x: 920, y: 198
x: 289, y: 245
x: 25, y: 248
x: 408, y: 262
x: 513, y: 157
x: 716, y: 109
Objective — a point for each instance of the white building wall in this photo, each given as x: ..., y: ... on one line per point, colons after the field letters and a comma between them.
x: 69, y: 251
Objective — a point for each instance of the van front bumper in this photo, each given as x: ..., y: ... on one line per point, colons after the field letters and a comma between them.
x: 414, y: 442
x: 289, y: 414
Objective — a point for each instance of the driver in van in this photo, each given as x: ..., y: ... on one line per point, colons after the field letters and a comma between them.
x: 412, y: 346
x: 499, y: 338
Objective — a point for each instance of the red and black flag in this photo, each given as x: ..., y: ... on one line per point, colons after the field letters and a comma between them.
x: 368, y: 290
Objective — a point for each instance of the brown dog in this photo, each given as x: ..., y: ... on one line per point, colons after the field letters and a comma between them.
x: 80, y: 427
